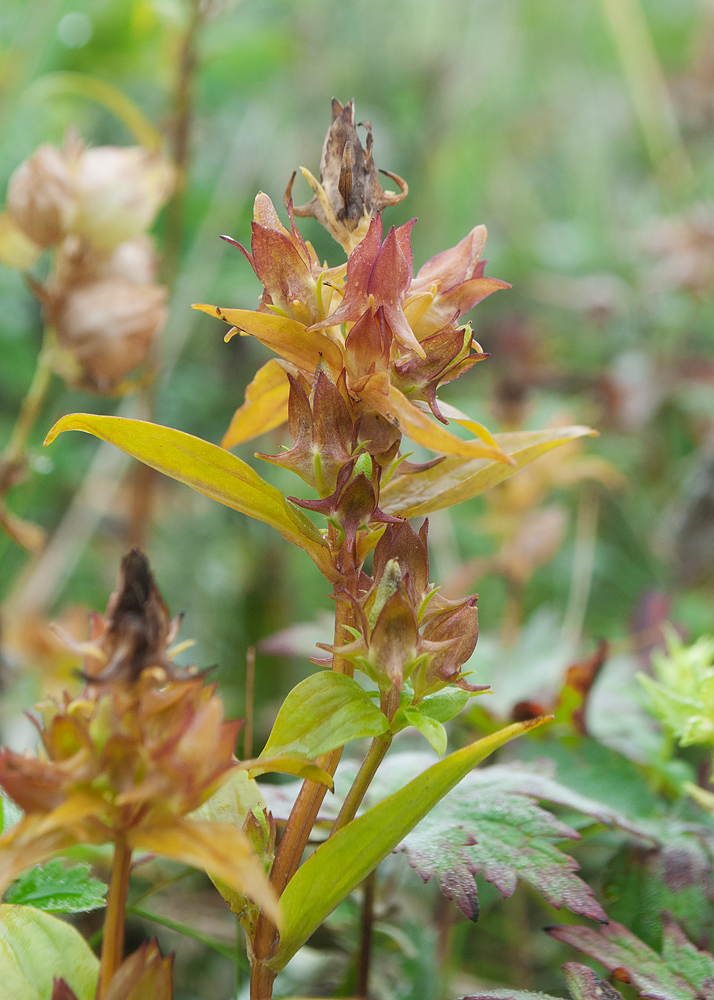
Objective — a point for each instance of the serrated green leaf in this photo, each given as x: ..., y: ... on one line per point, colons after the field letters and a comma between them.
x: 677, y: 878
x: 582, y: 982
x: 504, y: 837
x: 342, y: 862
x: 323, y: 712
x: 681, y: 972
x: 207, y: 469
x: 56, y: 889
x: 35, y: 948
x: 457, y: 479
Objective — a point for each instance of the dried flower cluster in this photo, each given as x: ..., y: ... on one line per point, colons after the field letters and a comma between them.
x: 92, y: 207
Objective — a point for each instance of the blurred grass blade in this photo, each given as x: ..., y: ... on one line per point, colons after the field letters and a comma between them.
x: 457, y: 479
x: 84, y: 85
x: 206, y: 468
x: 648, y: 89
x: 342, y: 862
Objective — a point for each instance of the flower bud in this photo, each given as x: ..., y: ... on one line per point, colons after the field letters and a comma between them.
x: 108, y: 326
x: 41, y: 196
x: 120, y: 189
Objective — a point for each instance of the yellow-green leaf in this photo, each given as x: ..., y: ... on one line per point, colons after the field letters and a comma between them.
x: 35, y: 948
x: 265, y: 406
x: 299, y: 767
x: 208, y: 469
x: 423, y: 429
x: 288, y: 338
x: 342, y: 862
x: 457, y: 479
x: 324, y: 712
x: 217, y: 848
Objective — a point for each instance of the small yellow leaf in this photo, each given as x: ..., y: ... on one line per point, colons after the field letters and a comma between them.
x: 394, y: 405
x: 297, y: 766
x: 217, y: 848
x: 288, y: 338
x: 265, y: 406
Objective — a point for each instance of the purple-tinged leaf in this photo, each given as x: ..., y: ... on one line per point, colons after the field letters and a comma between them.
x: 582, y: 982
x: 682, y: 972
x: 503, y: 837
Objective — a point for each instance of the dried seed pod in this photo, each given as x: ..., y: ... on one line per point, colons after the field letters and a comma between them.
x: 108, y: 326
x: 120, y: 189
x: 41, y: 195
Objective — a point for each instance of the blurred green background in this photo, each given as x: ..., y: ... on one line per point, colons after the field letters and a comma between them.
x: 580, y: 134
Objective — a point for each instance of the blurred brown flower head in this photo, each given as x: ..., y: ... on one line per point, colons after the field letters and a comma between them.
x: 139, y: 749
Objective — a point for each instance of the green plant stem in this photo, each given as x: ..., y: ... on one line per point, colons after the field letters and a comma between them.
x: 30, y: 407
x: 297, y: 833
x: 113, y: 940
x: 353, y: 800
x: 233, y: 954
x: 367, y: 924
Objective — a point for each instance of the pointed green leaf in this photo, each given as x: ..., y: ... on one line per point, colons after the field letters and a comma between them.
x: 342, y: 862
x: 35, y: 948
x: 57, y: 889
x: 323, y: 712
x: 208, y: 469
x: 457, y: 479
x: 431, y: 730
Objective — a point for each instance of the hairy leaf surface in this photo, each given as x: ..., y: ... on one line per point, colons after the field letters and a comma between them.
x: 56, y: 889
x: 681, y: 972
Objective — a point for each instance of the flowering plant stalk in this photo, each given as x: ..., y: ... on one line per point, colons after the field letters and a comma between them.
x: 362, y: 349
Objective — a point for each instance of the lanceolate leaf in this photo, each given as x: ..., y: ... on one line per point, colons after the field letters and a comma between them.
x: 36, y: 948
x: 342, y: 862
x: 681, y: 972
x: 457, y: 479
x: 323, y: 712
x: 57, y: 889
x: 206, y: 468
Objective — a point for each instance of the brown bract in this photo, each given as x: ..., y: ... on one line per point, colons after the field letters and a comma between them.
x: 348, y: 194
x: 144, y: 974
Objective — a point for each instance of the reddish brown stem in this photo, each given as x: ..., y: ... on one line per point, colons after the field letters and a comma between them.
x: 113, y: 939
x: 297, y: 832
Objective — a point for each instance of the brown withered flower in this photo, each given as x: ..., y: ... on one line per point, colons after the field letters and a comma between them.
x: 125, y: 763
x: 348, y: 195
